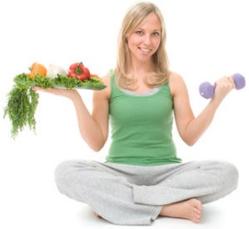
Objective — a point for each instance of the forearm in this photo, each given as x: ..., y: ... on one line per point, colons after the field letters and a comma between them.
x: 89, y: 129
x: 189, y: 126
x: 197, y: 126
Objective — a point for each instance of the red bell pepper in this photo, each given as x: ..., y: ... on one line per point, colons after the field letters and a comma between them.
x: 79, y: 71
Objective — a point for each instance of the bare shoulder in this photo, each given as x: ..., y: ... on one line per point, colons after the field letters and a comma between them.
x: 105, y: 93
x: 175, y: 78
x: 176, y: 82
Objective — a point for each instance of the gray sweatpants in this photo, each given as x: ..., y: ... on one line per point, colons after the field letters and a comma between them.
x: 134, y: 195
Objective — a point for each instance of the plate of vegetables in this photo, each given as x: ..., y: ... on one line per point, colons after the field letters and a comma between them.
x: 22, y: 100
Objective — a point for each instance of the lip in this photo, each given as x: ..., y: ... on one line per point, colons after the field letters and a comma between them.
x: 145, y: 50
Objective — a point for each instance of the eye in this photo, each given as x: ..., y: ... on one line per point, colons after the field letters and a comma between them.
x: 139, y: 32
x: 156, y: 34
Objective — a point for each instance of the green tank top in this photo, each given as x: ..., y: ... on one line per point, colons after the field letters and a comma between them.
x: 141, y: 127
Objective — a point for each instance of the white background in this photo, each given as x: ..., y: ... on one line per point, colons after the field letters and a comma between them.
x: 205, y: 40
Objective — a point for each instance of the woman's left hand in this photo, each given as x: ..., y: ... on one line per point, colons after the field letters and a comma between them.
x: 222, y: 87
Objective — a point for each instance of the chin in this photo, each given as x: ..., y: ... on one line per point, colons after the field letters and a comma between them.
x: 144, y: 58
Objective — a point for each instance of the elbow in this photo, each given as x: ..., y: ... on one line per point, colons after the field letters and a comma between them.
x: 190, y: 143
x: 95, y: 144
x: 189, y: 140
x: 96, y: 148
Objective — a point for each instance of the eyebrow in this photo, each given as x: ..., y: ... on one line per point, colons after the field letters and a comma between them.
x: 155, y: 30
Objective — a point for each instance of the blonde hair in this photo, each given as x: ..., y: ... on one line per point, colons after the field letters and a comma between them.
x: 132, y: 19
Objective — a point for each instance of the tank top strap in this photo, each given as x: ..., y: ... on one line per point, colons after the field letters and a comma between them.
x: 115, y: 91
x: 112, y: 76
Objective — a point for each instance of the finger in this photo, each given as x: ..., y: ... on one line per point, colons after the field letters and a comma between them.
x: 36, y: 88
x: 231, y: 81
x: 226, y: 82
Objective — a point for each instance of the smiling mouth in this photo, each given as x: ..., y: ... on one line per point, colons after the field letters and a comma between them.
x: 145, y: 50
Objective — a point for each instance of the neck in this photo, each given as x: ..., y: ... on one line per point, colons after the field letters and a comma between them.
x: 141, y: 68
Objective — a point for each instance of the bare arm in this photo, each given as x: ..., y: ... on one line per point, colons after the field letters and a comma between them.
x: 93, y: 127
x: 190, y: 127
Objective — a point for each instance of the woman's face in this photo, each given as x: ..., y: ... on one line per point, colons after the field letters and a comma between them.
x: 144, y: 41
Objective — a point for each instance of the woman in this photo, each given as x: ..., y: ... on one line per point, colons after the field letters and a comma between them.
x: 142, y: 177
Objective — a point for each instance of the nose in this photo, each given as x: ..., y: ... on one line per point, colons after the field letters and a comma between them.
x: 147, y: 39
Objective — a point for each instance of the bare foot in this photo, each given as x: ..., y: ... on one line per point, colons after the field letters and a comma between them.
x: 189, y: 209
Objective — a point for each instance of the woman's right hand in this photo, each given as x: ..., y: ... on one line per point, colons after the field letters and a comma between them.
x: 69, y: 93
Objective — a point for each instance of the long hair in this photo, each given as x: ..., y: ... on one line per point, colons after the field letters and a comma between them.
x: 131, y: 20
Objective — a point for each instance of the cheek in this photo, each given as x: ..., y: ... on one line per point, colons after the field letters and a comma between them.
x: 156, y: 43
x: 133, y: 41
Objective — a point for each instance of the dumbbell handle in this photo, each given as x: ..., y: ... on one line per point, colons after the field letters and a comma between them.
x: 207, y: 90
